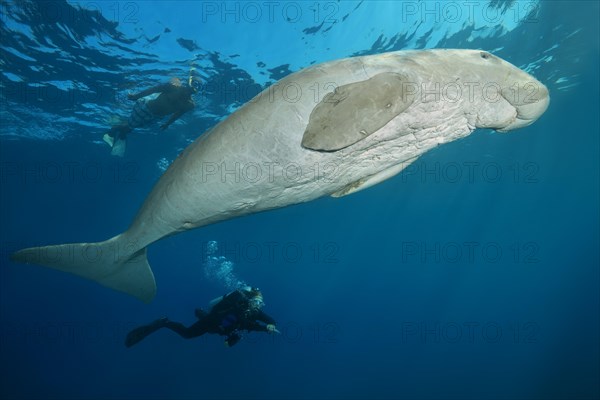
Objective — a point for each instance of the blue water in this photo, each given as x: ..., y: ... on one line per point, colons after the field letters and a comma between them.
x: 474, y: 274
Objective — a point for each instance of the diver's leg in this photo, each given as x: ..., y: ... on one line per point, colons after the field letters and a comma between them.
x: 109, y: 137
x: 197, y: 329
x: 117, y: 132
x: 122, y: 131
x: 138, y: 334
x: 200, y: 313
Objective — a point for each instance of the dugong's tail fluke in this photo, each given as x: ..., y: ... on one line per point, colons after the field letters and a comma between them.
x: 102, y: 262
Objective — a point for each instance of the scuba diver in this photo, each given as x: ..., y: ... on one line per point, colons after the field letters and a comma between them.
x: 174, y: 99
x: 236, y: 311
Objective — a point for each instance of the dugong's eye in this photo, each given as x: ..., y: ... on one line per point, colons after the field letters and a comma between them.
x: 484, y: 55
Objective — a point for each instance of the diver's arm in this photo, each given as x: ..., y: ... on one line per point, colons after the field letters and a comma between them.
x: 261, y: 327
x: 256, y: 326
x: 263, y: 317
x: 173, y: 118
x: 177, y: 115
x: 149, y: 91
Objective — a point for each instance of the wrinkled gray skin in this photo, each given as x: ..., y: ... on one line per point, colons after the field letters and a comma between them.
x: 286, y: 146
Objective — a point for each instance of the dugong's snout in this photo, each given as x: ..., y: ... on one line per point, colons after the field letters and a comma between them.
x: 529, y: 97
x: 498, y: 94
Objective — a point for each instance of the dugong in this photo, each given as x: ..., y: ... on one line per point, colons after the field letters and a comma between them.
x: 327, y: 130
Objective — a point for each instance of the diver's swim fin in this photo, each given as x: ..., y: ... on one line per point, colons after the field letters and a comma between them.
x: 138, y: 334
x: 108, y: 139
x: 118, y: 149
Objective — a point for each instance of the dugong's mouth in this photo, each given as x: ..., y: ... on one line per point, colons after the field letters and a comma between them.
x: 529, y: 106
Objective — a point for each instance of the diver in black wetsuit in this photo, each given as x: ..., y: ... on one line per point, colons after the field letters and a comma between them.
x: 237, y: 311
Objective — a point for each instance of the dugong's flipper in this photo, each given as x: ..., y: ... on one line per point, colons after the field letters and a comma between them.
x: 108, y: 263
x: 369, y: 181
x: 354, y: 111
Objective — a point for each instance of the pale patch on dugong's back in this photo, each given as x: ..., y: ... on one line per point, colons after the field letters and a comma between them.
x: 381, y: 117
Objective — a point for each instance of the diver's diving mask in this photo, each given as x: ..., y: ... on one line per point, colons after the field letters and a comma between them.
x: 257, y: 300
x: 194, y: 83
